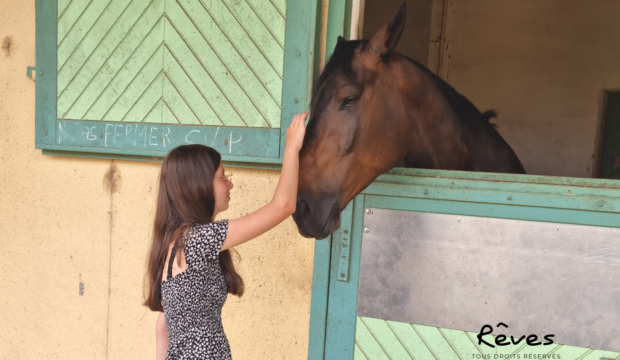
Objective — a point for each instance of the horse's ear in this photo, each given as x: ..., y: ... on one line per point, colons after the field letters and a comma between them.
x: 387, y: 37
x: 339, y: 43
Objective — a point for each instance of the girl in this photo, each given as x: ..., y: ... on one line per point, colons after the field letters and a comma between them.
x: 191, y: 291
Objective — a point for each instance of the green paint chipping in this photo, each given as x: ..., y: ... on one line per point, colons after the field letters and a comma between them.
x: 377, y: 339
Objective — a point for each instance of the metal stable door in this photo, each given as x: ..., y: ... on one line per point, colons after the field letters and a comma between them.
x: 462, y: 272
x: 434, y: 256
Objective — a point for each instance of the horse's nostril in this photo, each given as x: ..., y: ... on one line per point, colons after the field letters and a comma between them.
x: 302, y: 207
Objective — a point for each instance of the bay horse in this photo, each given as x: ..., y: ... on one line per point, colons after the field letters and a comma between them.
x: 373, y: 109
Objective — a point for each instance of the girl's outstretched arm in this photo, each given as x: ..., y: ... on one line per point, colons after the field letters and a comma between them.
x: 285, y: 198
x: 161, y: 337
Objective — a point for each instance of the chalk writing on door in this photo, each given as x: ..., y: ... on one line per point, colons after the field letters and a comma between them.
x: 144, y: 137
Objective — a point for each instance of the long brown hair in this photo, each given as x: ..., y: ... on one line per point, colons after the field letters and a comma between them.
x: 185, y: 197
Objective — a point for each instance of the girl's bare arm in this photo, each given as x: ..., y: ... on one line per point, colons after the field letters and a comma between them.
x: 284, y: 200
x: 161, y: 337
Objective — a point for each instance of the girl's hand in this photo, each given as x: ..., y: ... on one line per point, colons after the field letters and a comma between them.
x: 284, y: 200
x: 296, y: 131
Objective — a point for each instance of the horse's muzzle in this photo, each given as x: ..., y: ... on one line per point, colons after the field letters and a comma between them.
x: 317, y: 219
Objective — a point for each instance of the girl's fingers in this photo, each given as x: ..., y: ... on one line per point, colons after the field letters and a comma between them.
x: 302, y: 116
x: 299, y: 119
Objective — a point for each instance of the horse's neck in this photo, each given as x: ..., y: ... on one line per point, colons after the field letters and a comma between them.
x: 450, y: 136
x: 437, y: 140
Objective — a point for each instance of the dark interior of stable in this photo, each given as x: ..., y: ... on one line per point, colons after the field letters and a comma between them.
x: 549, y: 69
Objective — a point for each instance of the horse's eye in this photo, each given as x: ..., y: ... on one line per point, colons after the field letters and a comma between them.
x: 350, y: 101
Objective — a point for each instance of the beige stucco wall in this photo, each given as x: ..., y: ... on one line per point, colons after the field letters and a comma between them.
x: 63, y: 222
x: 544, y: 66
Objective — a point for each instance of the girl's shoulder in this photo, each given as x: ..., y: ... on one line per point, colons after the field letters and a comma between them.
x: 215, y: 224
x: 214, y: 229
x: 205, y: 241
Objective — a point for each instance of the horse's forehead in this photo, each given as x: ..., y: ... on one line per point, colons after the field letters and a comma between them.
x: 365, y: 66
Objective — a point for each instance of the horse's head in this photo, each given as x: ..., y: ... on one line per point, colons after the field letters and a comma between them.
x: 349, y: 140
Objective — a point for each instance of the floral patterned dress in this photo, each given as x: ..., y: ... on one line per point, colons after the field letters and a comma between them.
x: 193, y: 299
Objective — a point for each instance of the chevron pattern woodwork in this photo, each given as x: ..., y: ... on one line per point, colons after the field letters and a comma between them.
x: 377, y: 339
x: 201, y: 62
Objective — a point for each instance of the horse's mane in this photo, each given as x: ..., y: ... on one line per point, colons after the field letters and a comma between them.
x: 341, y: 61
x: 459, y: 103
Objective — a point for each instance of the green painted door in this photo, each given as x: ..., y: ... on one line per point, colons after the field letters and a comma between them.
x: 346, y: 334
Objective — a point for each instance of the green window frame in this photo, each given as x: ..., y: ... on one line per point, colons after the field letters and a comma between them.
x: 257, y: 146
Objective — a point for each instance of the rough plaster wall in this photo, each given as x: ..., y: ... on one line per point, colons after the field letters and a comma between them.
x: 54, y: 231
x: 70, y: 220
x: 543, y: 65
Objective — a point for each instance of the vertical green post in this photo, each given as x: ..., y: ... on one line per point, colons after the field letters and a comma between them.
x: 45, y: 90
x: 318, y: 304
x: 338, y: 24
x: 299, y: 51
x: 322, y: 248
x: 342, y: 310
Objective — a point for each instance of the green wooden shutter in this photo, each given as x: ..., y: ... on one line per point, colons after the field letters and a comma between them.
x: 141, y: 77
